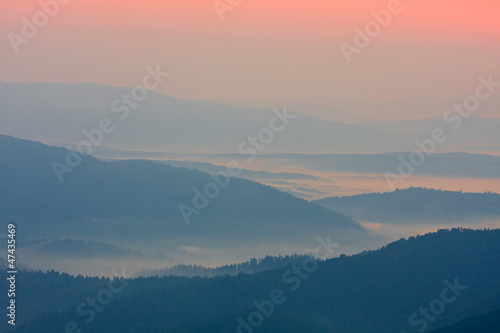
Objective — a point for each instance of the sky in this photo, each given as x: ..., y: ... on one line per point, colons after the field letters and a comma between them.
x: 263, y: 53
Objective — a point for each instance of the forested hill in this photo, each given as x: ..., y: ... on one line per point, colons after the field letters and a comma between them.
x: 488, y: 323
x: 376, y: 291
x: 414, y: 204
x: 137, y: 189
x: 252, y: 266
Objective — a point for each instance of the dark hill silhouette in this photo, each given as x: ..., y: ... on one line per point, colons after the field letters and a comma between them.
x: 375, y: 291
x: 140, y: 200
x: 254, y: 265
x: 489, y: 323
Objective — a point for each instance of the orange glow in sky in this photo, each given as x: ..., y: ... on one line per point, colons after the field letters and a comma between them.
x: 263, y: 43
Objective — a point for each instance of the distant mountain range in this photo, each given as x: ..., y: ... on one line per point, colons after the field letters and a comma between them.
x: 438, y: 164
x: 445, y: 164
x: 78, y: 248
x: 243, y: 173
x: 60, y: 112
x: 476, y: 131
x: 421, y: 283
x: 417, y: 205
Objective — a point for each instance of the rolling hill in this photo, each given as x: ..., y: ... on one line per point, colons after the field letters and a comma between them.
x: 375, y: 291
x: 136, y: 204
x: 488, y: 323
x: 421, y: 205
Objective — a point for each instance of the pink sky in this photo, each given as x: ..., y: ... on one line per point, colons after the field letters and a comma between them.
x: 264, y: 51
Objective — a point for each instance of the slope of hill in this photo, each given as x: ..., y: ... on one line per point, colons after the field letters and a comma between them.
x: 243, y: 173
x: 377, y: 291
x: 249, y: 267
x: 417, y: 205
x: 135, y: 204
x: 489, y: 323
x: 136, y: 188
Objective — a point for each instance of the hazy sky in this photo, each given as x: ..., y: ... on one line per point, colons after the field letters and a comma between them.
x: 263, y: 51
